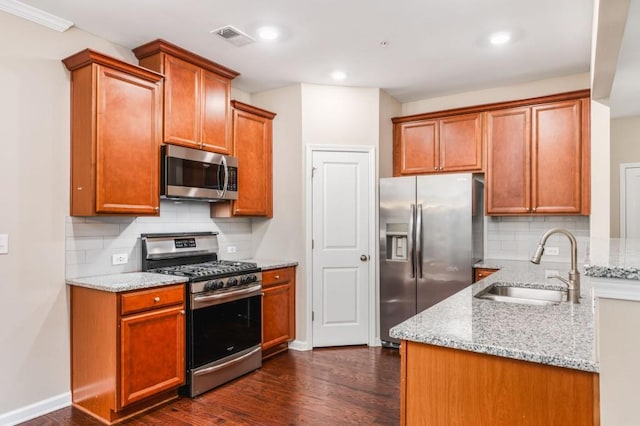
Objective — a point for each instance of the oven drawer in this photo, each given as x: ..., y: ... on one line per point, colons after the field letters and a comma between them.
x: 141, y: 300
x: 277, y: 276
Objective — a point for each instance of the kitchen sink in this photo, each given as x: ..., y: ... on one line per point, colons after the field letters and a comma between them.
x: 512, y: 293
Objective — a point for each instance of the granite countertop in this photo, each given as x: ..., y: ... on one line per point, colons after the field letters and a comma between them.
x: 126, y: 281
x: 561, y: 335
x: 266, y: 264
x: 614, y: 258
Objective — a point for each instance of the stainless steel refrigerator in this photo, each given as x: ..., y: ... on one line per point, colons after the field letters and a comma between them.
x: 431, y: 234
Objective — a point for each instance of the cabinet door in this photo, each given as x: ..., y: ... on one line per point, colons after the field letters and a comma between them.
x: 127, y: 143
x: 182, y: 103
x: 252, y: 145
x: 215, y: 113
x: 152, y: 353
x: 276, y: 311
x: 461, y: 143
x: 556, y: 162
x: 415, y: 148
x: 508, y: 173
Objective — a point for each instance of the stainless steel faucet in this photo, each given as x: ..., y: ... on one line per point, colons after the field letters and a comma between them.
x: 573, y: 283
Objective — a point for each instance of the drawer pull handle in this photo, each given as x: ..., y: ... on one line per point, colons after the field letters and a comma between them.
x: 156, y: 299
x: 277, y: 277
x: 182, y: 312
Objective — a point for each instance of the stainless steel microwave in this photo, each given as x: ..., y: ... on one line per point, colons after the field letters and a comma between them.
x: 195, y: 174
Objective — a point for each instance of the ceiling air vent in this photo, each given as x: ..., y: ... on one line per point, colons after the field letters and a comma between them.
x: 233, y: 35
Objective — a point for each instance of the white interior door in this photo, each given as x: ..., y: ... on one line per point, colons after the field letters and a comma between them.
x: 630, y: 200
x: 341, y: 191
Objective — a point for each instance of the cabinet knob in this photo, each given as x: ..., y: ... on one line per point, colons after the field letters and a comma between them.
x: 157, y: 208
x: 481, y: 274
x: 182, y: 312
x: 156, y: 299
x: 435, y: 168
x: 534, y: 209
x: 277, y: 277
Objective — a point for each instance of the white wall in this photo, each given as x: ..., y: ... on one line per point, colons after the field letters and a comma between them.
x: 619, y: 346
x: 500, y: 94
x: 34, y: 171
x: 600, y: 166
x: 625, y: 148
x: 389, y: 108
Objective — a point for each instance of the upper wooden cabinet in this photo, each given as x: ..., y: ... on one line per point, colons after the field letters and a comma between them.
x: 252, y: 145
x: 432, y: 143
x: 538, y: 157
x: 196, y: 96
x: 116, y: 115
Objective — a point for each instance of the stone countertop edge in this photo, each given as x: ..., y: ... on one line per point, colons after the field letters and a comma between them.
x: 558, y: 335
x: 617, y: 258
x: 126, y: 281
x: 267, y: 264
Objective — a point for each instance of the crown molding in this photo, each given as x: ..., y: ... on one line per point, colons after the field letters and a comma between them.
x: 35, y: 15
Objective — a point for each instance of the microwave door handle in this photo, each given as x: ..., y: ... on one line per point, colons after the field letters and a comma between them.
x: 226, y: 176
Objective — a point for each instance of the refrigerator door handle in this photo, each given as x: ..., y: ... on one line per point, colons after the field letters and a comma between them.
x: 419, y: 240
x: 412, y: 246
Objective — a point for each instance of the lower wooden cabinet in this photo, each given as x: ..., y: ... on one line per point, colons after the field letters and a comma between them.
x: 127, y: 350
x: 482, y: 273
x: 444, y: 386
x: 278, y: 310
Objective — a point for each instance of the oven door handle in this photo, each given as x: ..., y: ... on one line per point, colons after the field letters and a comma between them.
x: 227, y: 364
x: 216, y: 299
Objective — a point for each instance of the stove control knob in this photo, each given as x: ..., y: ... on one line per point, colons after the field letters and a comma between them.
x: 210, y: 285
x: 254, y: 278
x: 232, y: 282
x: 218, y: 284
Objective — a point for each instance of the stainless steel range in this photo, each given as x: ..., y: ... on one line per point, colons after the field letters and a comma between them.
x: 224, y: 317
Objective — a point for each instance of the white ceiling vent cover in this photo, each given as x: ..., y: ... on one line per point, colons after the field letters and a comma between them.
x: 233, y: 35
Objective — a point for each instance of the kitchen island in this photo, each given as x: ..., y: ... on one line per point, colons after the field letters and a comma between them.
x: 473, y: 361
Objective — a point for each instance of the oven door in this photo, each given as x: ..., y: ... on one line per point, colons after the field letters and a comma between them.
x: 195, y: 174
x: 224, y: 325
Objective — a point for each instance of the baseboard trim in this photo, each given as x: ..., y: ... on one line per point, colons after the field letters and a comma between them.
x: 36, y: 409
x: 300, y: 345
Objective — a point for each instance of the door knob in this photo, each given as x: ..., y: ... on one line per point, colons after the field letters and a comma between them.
x: 364, y: 257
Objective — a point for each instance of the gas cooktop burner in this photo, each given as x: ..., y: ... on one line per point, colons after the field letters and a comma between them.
x: 207, y: 269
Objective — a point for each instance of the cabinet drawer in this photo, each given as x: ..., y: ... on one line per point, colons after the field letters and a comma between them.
x: 481, y: 273
x: 275, y: 276
x: 152, y: 298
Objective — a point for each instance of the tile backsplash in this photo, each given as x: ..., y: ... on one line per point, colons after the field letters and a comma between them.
x: 91, y: 241
x: 516, y: 238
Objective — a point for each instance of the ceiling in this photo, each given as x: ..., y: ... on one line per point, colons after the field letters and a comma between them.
x: 434, y: 48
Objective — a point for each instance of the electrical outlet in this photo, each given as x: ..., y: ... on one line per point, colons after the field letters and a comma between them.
x: 119, y: 259
x: 4, y: 243
x: 231, y: 249
x: 552, y: 251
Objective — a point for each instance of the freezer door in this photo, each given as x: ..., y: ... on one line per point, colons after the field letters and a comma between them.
x: 397, y: 256
x: 444, y: 242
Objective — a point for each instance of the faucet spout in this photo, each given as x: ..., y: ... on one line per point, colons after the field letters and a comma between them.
x: 573, y: 283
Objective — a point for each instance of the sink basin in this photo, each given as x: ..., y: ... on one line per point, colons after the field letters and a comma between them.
x: 511, y: 293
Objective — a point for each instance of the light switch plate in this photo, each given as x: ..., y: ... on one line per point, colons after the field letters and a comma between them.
x: 4, y: 243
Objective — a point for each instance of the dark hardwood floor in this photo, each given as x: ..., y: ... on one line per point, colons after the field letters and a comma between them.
x: 330, y: 386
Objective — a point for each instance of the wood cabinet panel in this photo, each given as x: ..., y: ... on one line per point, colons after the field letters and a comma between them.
x: 461, y: 143
x: 181, y: 102
x: 415, y: 148
x: 447, y: 144
x: 557, y: 161
x: 122, y: 365
x: 482, y: 273
x: 152, y: 353
x: 508, y: 174
x: 141, y: 300
x: 278, y: 310
x: 196, y: 98
x: 252, y: 145
x: 115, y: 136
x: 443, y: 386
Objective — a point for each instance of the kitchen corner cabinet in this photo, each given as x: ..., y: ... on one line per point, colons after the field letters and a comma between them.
x: 116, y: 116
x: 482, y: 273
x: 127, y: 350
x: 196, y: 96
x: 278, y: 310
x: 538, y: 158
x: 252, y: 145
x: 444, y: 386
x: 430, y: 143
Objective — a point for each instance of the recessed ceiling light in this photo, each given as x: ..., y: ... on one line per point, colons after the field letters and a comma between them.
x: 268, y: 33
x: 500, y: 37
x: 338, y: 75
